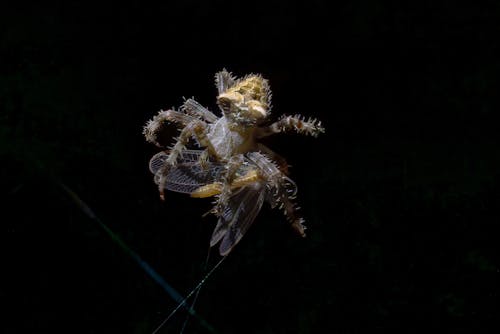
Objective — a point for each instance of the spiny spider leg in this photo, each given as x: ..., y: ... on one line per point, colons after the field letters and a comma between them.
x: 204, y: 158
x: 197, y: 129
x: 153, y: 127
x: 193, y: 108
x: 232, y: 166
x: 224, y: 80
x: 280, y: 161
x: 282, y: 193
x: 296, y: 123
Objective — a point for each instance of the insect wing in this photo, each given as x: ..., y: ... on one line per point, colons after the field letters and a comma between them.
x: 159, y: 159
x: 237, y: 217
x: 188, y: 174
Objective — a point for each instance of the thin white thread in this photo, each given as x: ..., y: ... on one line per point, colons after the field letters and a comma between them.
x: 183, y: 302
x: 197, y: 293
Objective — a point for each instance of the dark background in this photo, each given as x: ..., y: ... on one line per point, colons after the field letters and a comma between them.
x: 400, y: 195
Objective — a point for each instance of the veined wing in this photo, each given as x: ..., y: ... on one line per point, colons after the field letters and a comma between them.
x: 237, y: 217
x: 187, y: 175
x: 188, y: 157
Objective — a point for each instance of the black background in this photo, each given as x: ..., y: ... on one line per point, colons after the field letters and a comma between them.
x: 400, y: 195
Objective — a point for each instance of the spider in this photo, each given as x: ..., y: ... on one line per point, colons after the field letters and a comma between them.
x: 233, y: 166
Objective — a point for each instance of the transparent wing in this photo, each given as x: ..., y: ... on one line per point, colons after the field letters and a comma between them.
x: 157, y: 162
x: 188, y: 157
x: 237, y: 217
x: 227, y: 216
x: 187, y: 175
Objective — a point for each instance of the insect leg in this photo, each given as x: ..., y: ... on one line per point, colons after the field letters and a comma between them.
x: 215, y: 188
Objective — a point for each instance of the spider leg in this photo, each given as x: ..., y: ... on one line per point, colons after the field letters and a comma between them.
x: 295, y: 123
x: 282, y: 190
x: 224, y: 80
x: 232, y: 166
x: 153, y: 127
x: 197, y: 129
x: 193, y: 108
x: 161, y: 179
x: 203, y: 160
x: 290, y: 211
x: 280, y: 161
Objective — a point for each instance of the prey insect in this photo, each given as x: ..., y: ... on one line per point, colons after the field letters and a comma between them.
x: 256, y: 181
x: 231, y: 165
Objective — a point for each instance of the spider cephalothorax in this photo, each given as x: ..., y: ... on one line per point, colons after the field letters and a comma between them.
x: 233, y: 165
x: 247, y: 101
